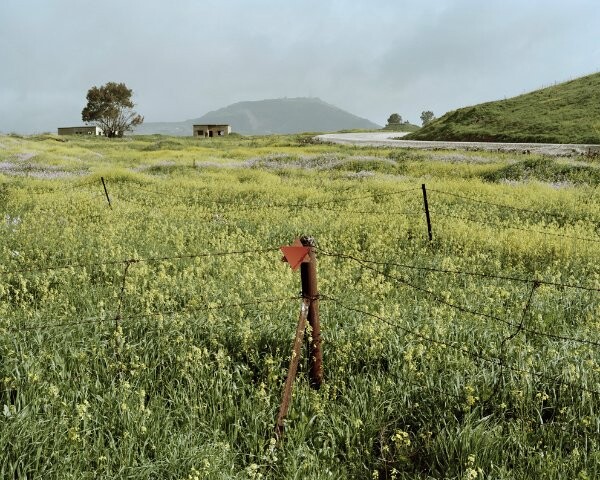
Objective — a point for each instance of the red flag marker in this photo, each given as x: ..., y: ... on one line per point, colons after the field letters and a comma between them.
x: 295, y: 254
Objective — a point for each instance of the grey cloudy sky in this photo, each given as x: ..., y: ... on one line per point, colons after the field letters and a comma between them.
x: 184, y: 58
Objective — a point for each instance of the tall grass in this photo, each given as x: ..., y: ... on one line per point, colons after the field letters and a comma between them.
x: 185, y: 383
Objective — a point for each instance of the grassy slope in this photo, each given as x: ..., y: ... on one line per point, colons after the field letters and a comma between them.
x: 564, y: 113
x: 193, y: 393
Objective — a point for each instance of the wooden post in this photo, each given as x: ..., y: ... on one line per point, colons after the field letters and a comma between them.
x: 308, y: 274
x: 426, y: 211
x: 106, y: 192
x: 286, y: 397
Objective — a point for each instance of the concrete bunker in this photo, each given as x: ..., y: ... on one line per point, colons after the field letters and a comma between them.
x: 84, y: 130
x: 211, y: 130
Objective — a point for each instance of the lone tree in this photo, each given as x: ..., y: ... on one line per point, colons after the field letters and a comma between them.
x: 427, y: 117
x: 394, y: 119
x: 110, y: 108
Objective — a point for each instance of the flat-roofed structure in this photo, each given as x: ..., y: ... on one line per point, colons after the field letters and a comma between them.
x: 211, y: 130
x: 85, y: 130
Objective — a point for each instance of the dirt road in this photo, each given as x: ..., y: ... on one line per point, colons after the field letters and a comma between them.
x: 387, y: 139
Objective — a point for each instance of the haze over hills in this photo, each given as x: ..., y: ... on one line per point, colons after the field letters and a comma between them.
x: 565, y: 113
x: 282, y: 115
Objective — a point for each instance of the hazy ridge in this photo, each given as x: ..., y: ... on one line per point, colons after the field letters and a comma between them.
x: 282, y: 115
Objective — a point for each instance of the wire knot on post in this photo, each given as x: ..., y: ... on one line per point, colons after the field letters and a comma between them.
x: 312, y: 298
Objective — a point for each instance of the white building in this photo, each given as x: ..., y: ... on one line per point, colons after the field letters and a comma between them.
x: 85, y: 130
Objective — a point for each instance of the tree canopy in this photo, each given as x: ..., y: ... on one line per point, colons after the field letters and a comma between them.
x: 110, y: 107
x: 394, y: 119
x: 427, y: 116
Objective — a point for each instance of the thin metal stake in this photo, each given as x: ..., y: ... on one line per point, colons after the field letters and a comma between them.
x: 426, y: 211
x: 106, y: 191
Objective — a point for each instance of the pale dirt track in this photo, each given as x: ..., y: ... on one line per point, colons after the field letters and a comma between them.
x: 386, y: 139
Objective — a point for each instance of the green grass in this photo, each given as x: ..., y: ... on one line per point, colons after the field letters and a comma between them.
x: 564, y: 113
x: 185, y: 389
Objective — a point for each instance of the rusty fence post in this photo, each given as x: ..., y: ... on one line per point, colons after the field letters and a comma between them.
x: 302, y: 254
x: 426, y: 211
x: 286, y: 397
x: 308, y: 274
x: 106, y: 192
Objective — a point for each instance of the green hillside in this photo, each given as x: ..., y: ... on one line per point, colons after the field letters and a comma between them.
x: 564, y: 113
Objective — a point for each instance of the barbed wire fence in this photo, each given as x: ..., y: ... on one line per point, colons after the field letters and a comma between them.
x: 499, y: 360
x: 380, y: 268
x: 220, y: 206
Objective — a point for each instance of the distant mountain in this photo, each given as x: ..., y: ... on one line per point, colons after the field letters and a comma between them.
x: 565, y: 113
x: 176, y: 129
x: 282, y: 115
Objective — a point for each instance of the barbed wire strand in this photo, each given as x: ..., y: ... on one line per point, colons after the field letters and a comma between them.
x: 511, y: 336
x: 138, y: 260
x: 237, y: 204
x: 460, y: 272
x: 489, y: 359
x: 470, y: 311
x: 510, y: 207
x: 372, y: 212
x: 509, y: 227
x: 211, y: 213
x: 116, y: 199
x: 207, y: 306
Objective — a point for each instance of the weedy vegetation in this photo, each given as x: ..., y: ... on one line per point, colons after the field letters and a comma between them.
x: 150, y: 339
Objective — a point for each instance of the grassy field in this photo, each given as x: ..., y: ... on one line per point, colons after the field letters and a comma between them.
x: 151, y: 339
x: 565, y: 113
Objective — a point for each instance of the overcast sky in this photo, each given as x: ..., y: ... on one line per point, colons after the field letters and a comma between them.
x: 183, y: 58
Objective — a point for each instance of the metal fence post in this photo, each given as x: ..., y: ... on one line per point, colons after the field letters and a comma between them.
x: 426, y: 211
x: 106, y: 192
x: 308, y: 274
